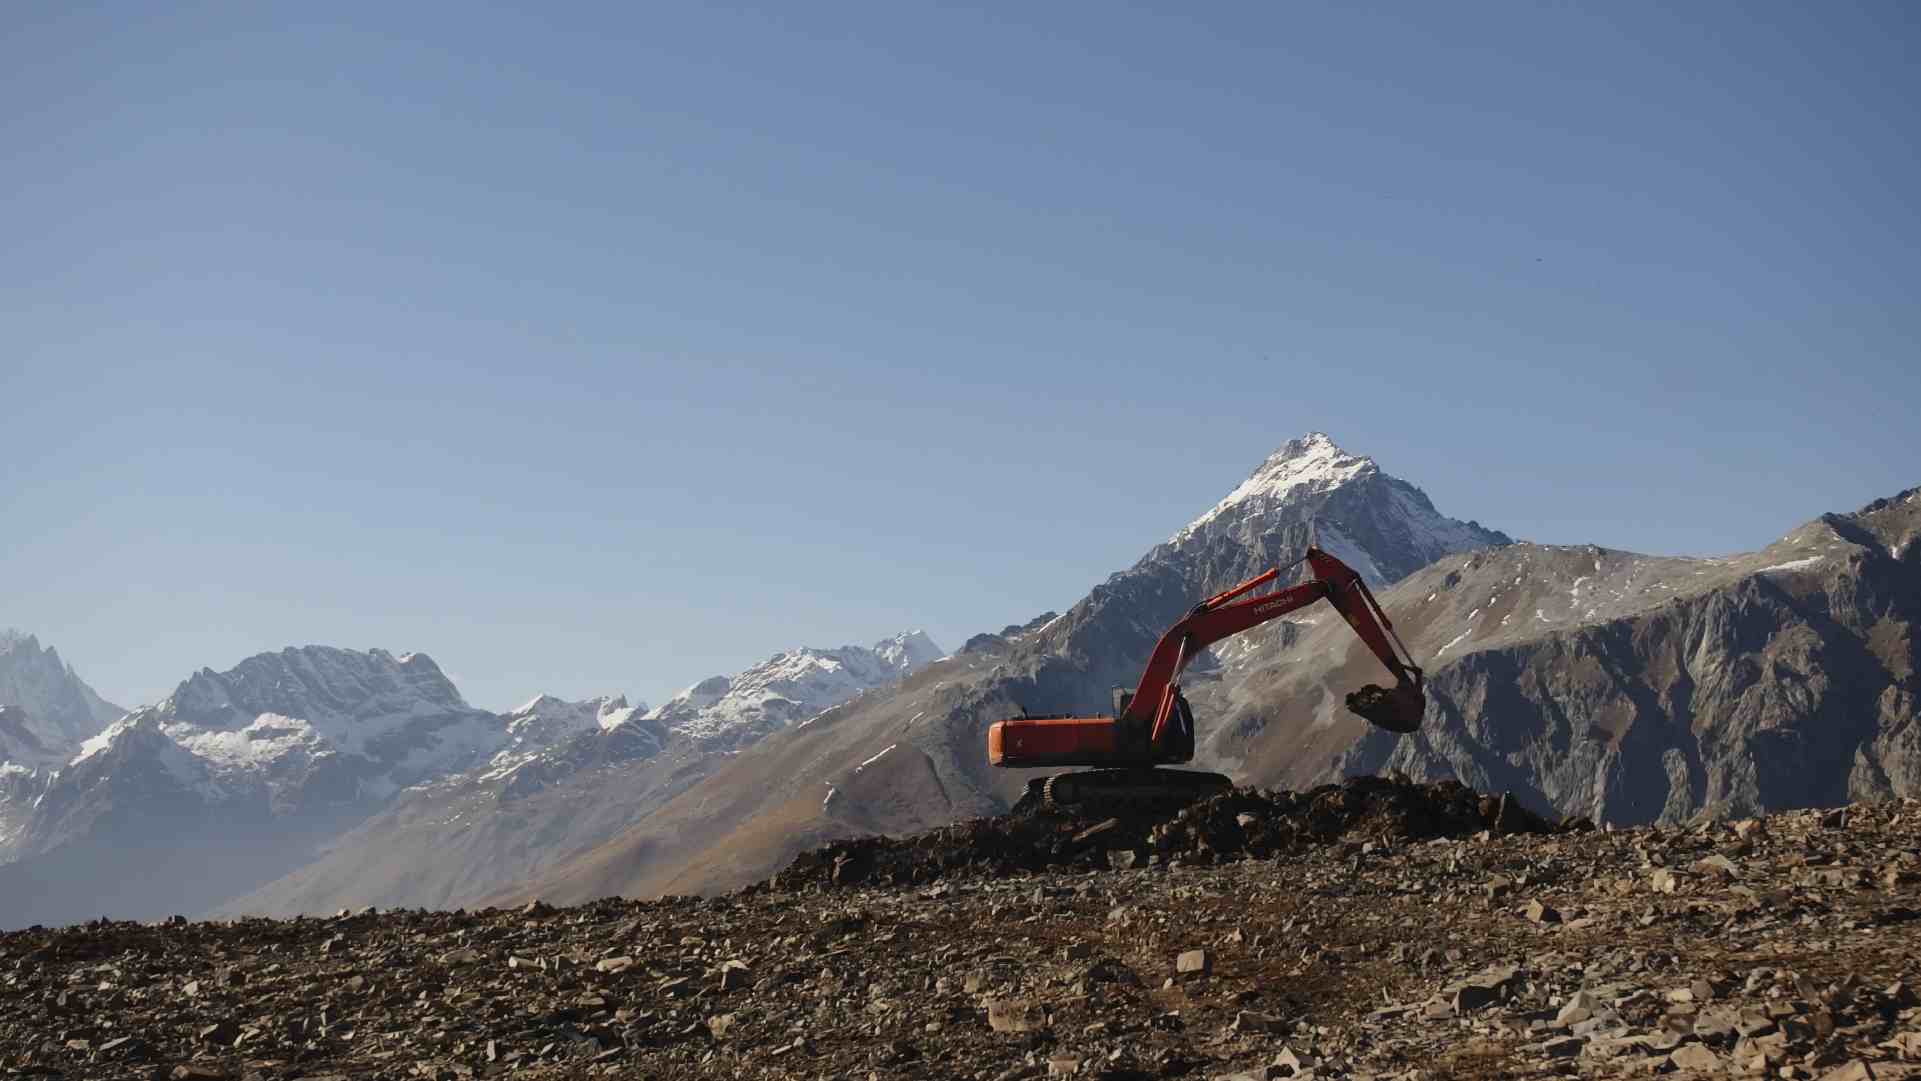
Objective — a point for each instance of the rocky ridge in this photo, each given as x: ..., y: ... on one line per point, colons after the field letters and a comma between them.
x: 1402, y: 932
x: 546, y: 721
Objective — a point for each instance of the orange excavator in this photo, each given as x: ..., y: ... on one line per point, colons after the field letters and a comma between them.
x: 1153, y: 726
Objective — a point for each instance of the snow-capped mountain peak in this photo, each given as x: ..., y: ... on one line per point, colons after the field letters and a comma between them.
x: 615, y: 712
x: 1313, y: 492
x: 308, y: 724
x: 106, y: 737
x: 790, y: 687
x: 1312, y: 464
x: 908, y: 650
x: 546, y: 720
x: 599, y: 708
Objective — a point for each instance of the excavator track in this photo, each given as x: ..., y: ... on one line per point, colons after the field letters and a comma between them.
x: 1120, y: 791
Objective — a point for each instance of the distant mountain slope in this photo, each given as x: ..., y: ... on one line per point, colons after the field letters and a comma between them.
x: 606, y: 767
x: 913, y: 758
x: 446, y: 843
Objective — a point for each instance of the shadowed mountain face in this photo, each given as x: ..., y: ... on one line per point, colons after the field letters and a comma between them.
x: 913, y: 758
x: 1634, y: 689
x: 1624, y: 687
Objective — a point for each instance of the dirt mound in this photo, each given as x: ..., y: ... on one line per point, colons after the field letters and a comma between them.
x: 1240, y: 823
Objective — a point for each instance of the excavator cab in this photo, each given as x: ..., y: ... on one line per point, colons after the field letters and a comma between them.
x: 1176, y: 744
x: 1179, y: 740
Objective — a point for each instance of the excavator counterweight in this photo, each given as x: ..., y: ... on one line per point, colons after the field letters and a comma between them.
x: 1153, y: 726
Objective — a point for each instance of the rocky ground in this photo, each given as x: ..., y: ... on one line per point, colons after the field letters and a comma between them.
x: 1375, y: 929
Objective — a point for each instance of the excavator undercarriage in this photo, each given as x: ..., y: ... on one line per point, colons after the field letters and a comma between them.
x: 1126, y: 791
x: 1153, y: 727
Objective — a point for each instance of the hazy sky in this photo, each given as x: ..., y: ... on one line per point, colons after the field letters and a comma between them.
x: 609, y: 349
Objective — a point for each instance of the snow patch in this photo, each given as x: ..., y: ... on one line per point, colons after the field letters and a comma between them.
x: 96, y: 744
x: 876, y: 758
x: 1792, y: 565
x: 1340, y: 547
x: 268, y: 739
x: 792, y: 688
x: 1308, y: 465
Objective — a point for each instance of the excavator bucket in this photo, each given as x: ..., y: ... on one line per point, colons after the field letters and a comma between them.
x: 1397, y: 709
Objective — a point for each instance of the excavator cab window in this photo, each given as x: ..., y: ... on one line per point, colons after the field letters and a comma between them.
x: 1122, y: 697
x: 1180, y: 739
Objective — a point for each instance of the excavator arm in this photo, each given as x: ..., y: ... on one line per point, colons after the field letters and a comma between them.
x: 1227, y: 613
x: 1142, y: 734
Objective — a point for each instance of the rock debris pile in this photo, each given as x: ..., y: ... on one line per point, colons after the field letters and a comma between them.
x: 1396, y: 938
x: 1241, y: 823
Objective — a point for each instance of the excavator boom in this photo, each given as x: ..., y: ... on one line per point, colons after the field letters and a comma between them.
x: 1153, y: 725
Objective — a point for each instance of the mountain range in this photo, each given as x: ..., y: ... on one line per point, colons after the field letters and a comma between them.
x: 474, y: 833
x: 289, y: 759
x: 1629, y: 688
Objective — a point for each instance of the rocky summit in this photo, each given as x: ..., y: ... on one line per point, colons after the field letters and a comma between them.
x: 1373, y: 929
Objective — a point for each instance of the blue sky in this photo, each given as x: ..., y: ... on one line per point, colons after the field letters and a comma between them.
x: 607, y: 349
